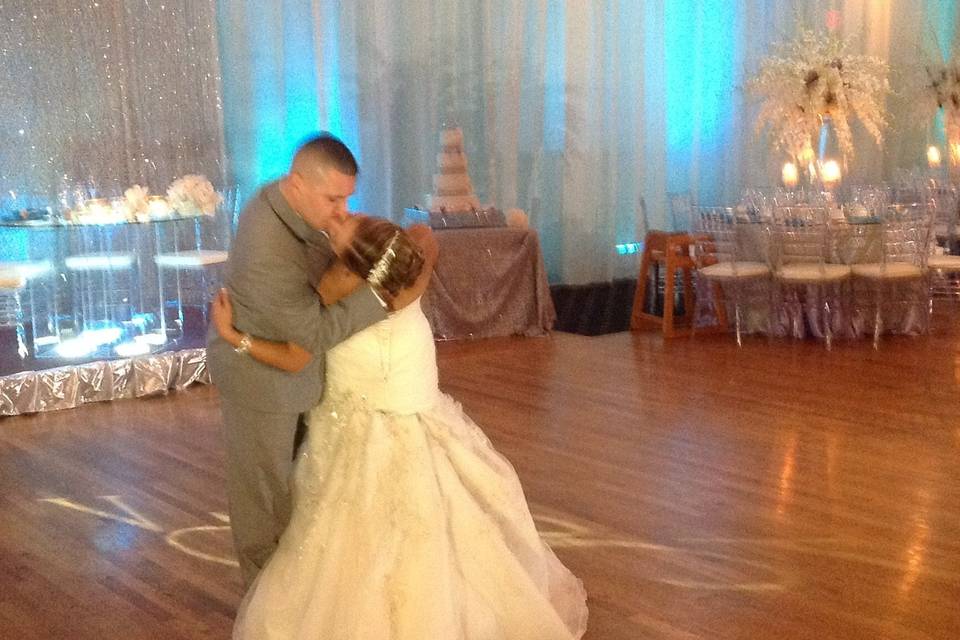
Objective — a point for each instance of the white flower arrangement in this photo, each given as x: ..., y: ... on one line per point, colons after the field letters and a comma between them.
x: 942, y: 91
x: 193, y: 194
x: 136, y: 197
x: 815, y: 77
x: 517, y: 219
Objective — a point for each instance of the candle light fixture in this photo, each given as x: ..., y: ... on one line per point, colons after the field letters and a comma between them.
x: 789, y: 175
x: 830, y: 174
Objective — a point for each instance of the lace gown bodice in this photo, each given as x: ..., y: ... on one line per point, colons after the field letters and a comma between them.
x: 407, y: 523
x: 391, y: 364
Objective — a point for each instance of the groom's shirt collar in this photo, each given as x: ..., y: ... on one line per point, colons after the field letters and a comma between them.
x: 291, y: 218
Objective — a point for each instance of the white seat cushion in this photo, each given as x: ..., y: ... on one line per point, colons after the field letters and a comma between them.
x: 29, y: 269
x: 735, y: 270
x: 190, y: 259
x: 11, y: 279
x: 99, y: 262
x: 887, y: 271
x: 813, y: 272
x: 944, y: 263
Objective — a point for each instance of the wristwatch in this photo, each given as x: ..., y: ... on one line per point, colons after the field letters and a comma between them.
x: 245, y: 344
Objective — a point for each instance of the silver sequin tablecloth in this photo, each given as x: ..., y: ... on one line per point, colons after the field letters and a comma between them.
x: 489, y: 282
x: 71, y: 386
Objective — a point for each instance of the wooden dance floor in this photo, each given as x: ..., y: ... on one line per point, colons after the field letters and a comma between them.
x: 699, y: 490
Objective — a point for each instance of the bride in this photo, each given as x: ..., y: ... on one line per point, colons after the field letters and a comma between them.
x: 406, y: 524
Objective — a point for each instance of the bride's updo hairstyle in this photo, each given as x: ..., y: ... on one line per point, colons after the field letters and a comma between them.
x: 383, y: 254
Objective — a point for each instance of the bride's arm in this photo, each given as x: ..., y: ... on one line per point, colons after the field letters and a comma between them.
x: 337, y: 282
x: 282, y: 355
x: 424, y: 238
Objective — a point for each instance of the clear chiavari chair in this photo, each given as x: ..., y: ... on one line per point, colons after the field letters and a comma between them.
x: 756, y: 203
x: 806, y: 278
x: 865, y: 199
x: 896, y: 281
x: 943, y: 262
x: 727, y: 266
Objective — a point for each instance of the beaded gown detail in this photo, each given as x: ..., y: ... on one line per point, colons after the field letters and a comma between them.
x: 407, y: 523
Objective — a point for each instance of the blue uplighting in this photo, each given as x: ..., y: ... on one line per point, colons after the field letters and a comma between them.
x: 331, y: 75
x: 14, y: 245
x: 299, y: 79
x: 942, y: 18
x: 941, y: 21
x: 268, y: 103
x: 681, y: 64
x: 554, y: 108
x: 702, y: 60
x: 338, y: 106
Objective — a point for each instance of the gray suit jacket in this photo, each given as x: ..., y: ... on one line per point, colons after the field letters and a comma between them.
x: 275, y: 262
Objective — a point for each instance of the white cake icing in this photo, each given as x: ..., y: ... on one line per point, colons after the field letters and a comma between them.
x: 452, y: 188
x: 452, y: 138
x: 452, y: 184
x: 452, y: 161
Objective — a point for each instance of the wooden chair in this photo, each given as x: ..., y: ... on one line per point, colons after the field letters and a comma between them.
x: 668, y: 253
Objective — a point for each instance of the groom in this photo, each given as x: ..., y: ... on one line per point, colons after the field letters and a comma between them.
x: 281, y: 249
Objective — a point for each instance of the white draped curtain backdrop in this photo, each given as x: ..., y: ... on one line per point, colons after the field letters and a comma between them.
x: 586, y: 114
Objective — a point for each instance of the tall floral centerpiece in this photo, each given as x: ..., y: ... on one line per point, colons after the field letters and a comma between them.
x: 941, y: 90
x: 814, y: 85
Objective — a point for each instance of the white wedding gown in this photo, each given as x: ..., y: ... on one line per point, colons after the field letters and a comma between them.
x: 407, y: 524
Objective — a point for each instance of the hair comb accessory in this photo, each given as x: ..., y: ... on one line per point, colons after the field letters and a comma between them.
x: 379, y: 271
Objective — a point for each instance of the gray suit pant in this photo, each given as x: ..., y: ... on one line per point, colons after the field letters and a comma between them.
x: 260, y: 450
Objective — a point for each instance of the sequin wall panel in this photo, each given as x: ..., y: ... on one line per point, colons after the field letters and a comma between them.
x: 98, y: 96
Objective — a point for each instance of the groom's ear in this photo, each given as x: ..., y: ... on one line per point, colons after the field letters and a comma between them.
x: 296, y: 180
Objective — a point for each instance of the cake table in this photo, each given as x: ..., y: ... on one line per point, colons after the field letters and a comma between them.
x: 489, y: 282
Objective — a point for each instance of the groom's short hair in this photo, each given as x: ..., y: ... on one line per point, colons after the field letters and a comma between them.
x: 324, y: 151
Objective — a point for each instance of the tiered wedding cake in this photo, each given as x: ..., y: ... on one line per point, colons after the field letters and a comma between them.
x: 452, y: 189
x: 453, y: 204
